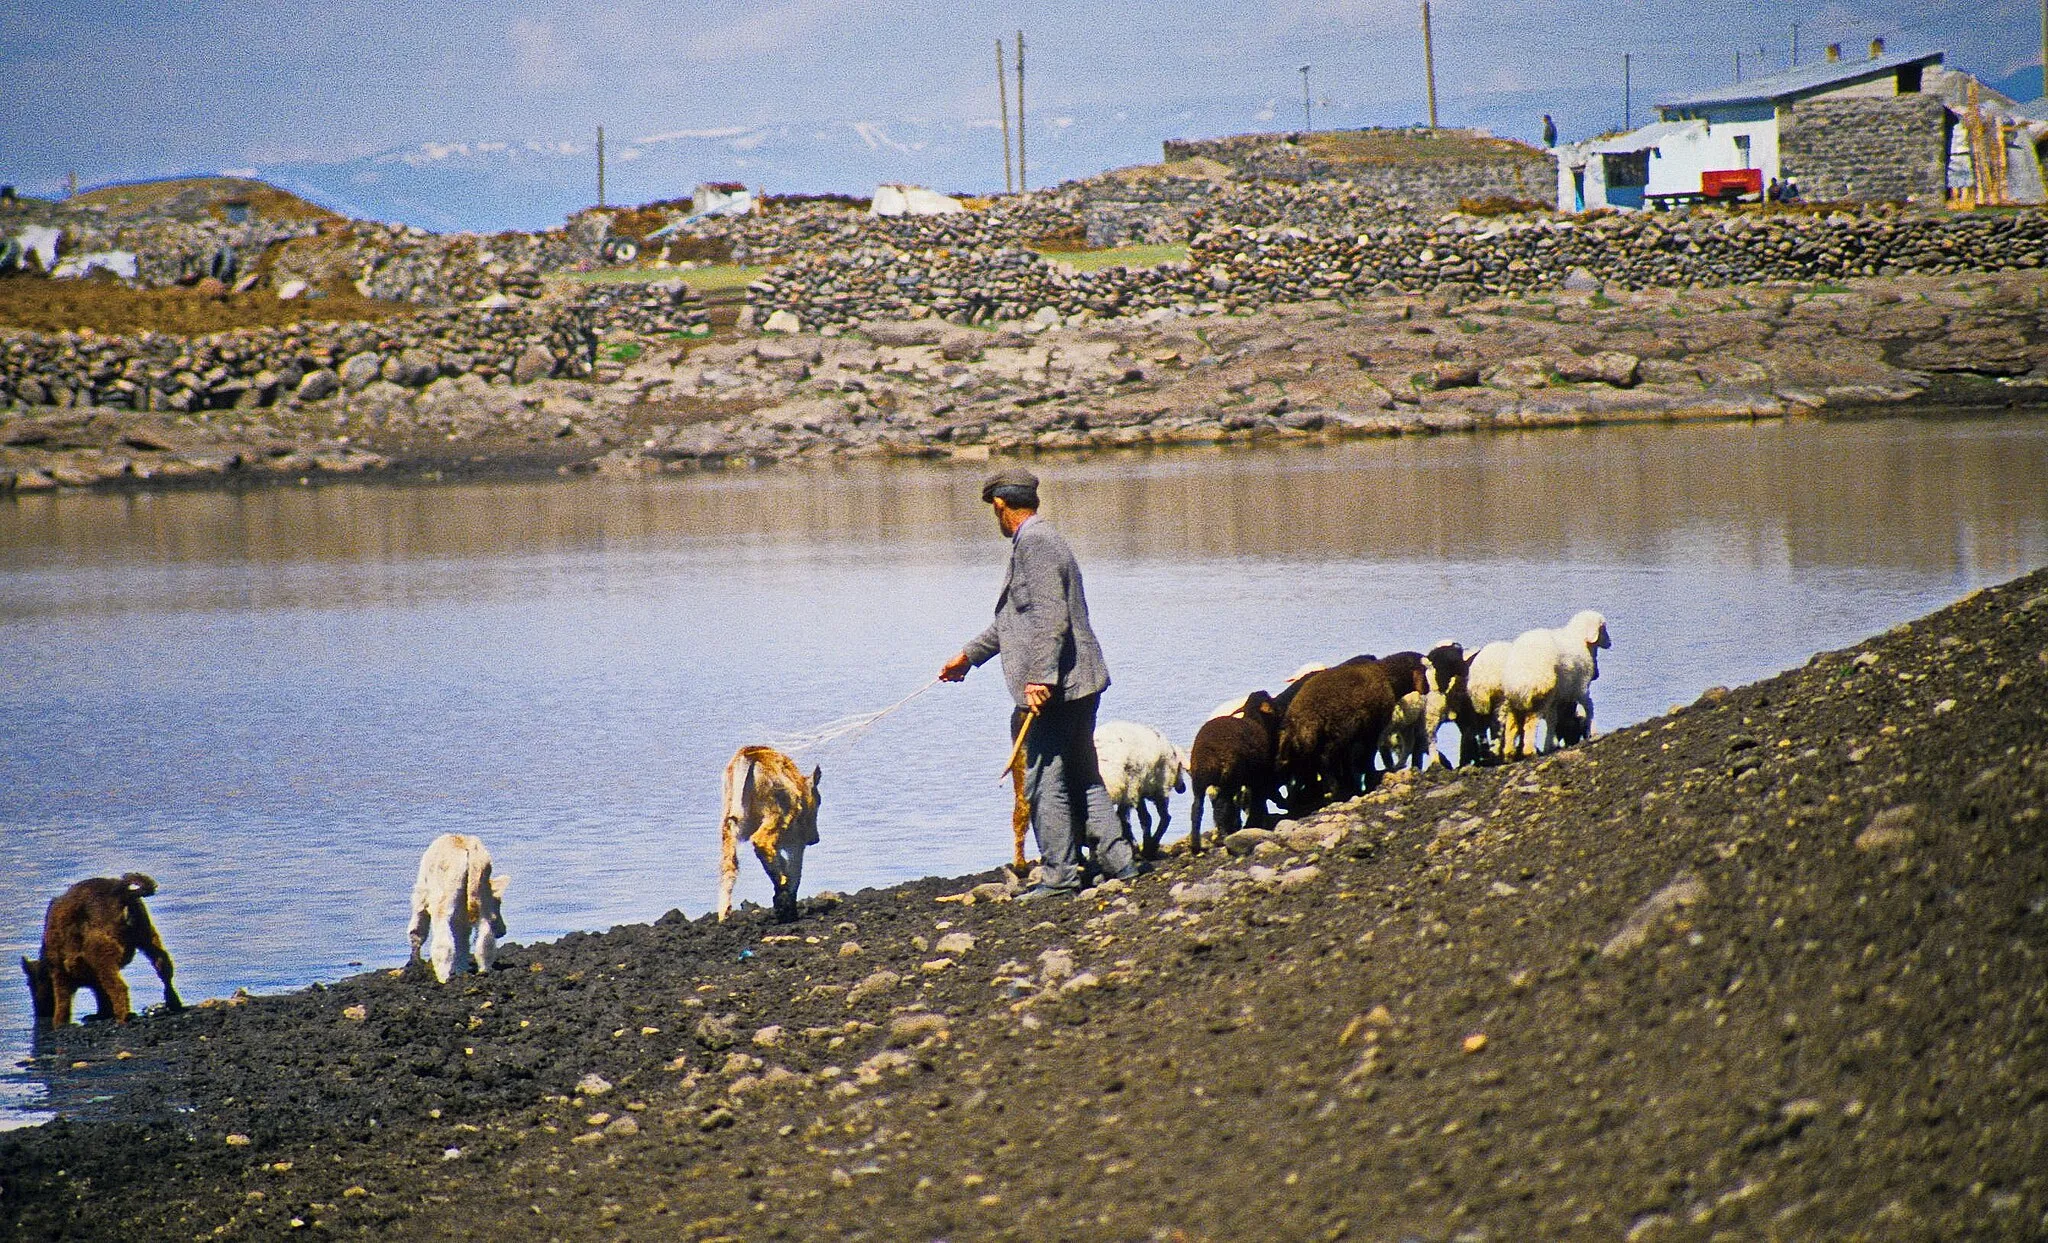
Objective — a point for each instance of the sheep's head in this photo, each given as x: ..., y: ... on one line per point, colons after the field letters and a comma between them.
x: 806, y: 819
x: 497, y: 914
x: 42, y: 994
x: 1591, y: 629
x: 1446, y: 664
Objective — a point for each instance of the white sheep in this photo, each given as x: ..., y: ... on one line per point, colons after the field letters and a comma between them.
x: 1235, y: 707
x: 1486, y: 686
x: 1139, y: 766
x: 1546, y: 678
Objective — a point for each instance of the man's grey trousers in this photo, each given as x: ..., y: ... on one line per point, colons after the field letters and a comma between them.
x: 1069, y: 803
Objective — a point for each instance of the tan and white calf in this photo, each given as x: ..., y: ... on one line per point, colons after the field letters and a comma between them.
x: 454, y: 900
x: 770, y: 803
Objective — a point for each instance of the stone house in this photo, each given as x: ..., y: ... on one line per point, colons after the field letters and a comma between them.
x: 1840, y: 130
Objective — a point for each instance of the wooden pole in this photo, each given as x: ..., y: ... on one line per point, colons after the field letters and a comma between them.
x: 1017, y: 748
x: 1003, y: 107
x: 1429, y: 64
x: 600, y: 166
x: 1023, y: 182
x: 1626, y: 98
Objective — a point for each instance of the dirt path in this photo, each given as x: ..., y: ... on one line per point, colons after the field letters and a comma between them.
x: 1767, y: 967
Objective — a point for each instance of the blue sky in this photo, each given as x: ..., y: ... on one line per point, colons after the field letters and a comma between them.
x: 481, y: 114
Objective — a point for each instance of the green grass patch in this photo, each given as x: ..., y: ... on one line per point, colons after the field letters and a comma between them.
x: 1828, y: 288
x: 1601, y: 300
x: 1127, y: 256
x: 623, y: 352
x: 711, y: 279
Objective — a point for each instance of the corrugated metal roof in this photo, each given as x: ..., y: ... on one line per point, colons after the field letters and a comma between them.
x: 1642, y: 139
x: 1803, y: 80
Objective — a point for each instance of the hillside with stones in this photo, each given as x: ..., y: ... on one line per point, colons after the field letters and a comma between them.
x: 1765, y: 966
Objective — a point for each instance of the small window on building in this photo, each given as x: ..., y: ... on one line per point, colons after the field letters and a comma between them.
x: 1626, y: 169
x: 1909, y: 79
x: 1742, y: 150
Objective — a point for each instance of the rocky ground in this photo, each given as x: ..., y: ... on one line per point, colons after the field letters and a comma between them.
x: 1379, y: 366
x: 1768, y: 966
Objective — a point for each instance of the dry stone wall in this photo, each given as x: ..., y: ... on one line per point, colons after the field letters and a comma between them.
x: 307, y: 361
x: 1238, y: 268
x: 1890, y: 149
x: 1414, y: 168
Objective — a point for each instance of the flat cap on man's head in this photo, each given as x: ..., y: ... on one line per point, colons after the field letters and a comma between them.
x: 1015, y: 485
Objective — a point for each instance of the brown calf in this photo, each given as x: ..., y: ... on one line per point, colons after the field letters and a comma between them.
x: 90, y: 932
x: 770, y: 802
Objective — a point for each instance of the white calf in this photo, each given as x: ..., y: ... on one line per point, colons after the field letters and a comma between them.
x: 455, y: 898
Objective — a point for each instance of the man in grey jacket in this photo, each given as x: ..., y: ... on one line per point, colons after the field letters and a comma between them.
x: 1055, y: 670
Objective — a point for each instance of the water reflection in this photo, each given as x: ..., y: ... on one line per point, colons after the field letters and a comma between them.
x: 271, y: 700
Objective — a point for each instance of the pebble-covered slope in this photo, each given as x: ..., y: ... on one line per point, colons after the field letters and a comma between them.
x: 1766, y: 967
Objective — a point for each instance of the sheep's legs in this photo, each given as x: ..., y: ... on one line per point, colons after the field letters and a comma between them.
x: 1153, y: 838
x: 160, y: 958
x: 728, y: 863
x: 1195, y: 833
x: 422, y: 920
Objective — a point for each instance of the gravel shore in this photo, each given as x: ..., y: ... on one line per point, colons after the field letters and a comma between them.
x: 1765, y: 966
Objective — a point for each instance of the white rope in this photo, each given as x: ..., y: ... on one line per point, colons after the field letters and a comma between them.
x: 844, y: 727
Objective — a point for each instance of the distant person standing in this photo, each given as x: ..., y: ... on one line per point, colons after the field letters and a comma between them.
x: 1056, y: 675
x: 1549, y: 131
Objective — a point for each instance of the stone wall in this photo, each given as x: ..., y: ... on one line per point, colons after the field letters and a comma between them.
x: 308, y: 361
x: 1436, y: 169
x: 167, y: 249
x: 1885, y: 150
x: 1238, y: 268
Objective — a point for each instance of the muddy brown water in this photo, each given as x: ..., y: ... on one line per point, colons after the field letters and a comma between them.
x: 270, y: 700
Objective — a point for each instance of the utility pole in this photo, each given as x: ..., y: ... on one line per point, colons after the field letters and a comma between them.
x: 2044, y: 47
x: 1022, y: 184
x: 600, y: 166
x: 1627, y: 112
x: 1428, y: 64
x: 1308, y: 125
x: 1795, y: 45
x: 1003, y: 107
x: 1738, y: 59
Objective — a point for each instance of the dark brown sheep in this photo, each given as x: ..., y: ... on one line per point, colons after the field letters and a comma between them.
x: 90, y: 932
x: 1231, y: 764
x: 1331, y: 731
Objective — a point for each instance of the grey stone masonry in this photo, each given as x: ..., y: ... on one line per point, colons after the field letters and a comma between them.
x: 1868, y: 150
x: 1431, y: 168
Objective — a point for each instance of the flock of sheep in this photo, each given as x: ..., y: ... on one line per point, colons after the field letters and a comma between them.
x: 1315, y: 742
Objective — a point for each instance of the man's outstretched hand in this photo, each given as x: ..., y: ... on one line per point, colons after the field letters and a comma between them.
x: 955, y: 670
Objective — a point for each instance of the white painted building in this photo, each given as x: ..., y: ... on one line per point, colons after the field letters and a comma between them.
x: 1715, y: 135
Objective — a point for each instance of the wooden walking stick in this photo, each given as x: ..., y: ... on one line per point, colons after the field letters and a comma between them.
x: 1020, y: 810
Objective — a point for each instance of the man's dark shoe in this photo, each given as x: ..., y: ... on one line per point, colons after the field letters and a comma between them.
x: 1036, y: 892
x: 1139, y: 867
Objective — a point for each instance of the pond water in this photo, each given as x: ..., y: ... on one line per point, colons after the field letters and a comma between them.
x: 272, y: 700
